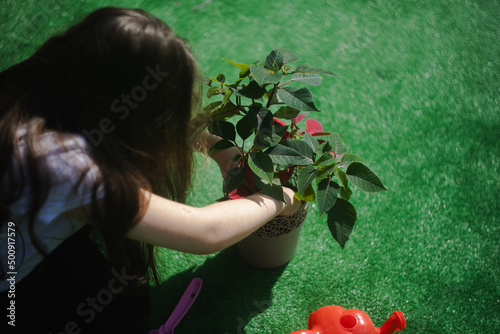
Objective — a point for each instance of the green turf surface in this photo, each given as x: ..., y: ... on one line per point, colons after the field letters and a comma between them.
x: 417, y: 92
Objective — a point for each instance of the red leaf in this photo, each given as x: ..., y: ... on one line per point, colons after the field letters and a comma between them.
x: 238, y: 193
x: 285, y: 175
x: 313, y: 126
x: 279, y: 122
x: 248, y: 176
x: 298, y: 118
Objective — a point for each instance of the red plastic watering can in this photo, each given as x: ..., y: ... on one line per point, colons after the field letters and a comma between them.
x: 338, y: 320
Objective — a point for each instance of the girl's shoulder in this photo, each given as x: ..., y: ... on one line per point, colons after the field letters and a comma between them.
x: 64, y: 156
x: 65, y: 163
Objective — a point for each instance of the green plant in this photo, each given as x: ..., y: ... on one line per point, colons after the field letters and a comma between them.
x: 259, y: 114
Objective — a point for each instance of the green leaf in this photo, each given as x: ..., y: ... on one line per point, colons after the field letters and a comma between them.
x: 326, y: 195
x: 221, y: 78
x: 244, y: 128
x: 218, y: 111
x: 272, y: 78
x: 252, y: 91
x: 313, y: 142
x: 234, y: 178
x: 242, y: 67
x: 345, y: 194
x: 262, y: 165
x: 227, y: 95
x: 220, y: 145
x: 305, y: 178
x: 342, y: 178
x: 260, y: 118
x: 262, y: 76
x: 363, y: 178
x: 341, y: 219
x: 300, y: 146
x: 298, y: 98
x: 337, y: 144
x: 266, y: 137
x: 308, y: 78
x: 212, y: 91
x: 273, y: 189
x: 212, y: 107
x: 349, y: 158
x: 236, y: 83
x: 307, y: 69
x: 288, y: 56
x: 323, y: 172
x: 273, y: 97
x: 243, y: 75
x: 308, y: 195
x: 326, y: 159
x: 323, y: 148
x: 259, y: 73
x: 236, y: 158
x: 267, y: 134
x: 280, y: 56
x: 285, y: 156
x: 286, y: 112
x: 223, y: 129
x: 279, y: 130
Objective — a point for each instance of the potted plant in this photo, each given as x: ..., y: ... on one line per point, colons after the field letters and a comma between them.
x: 262, y: 114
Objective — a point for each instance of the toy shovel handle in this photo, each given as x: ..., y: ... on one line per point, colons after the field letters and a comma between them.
x: 182, y: 307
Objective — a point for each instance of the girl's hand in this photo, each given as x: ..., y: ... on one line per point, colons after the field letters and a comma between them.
x: 292, y: 203
x: 224, y: 158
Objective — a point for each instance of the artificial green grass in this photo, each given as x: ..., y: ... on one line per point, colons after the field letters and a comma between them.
x: 417, y: 92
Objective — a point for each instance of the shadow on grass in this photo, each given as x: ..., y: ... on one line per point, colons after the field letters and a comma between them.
x: 233, y: 293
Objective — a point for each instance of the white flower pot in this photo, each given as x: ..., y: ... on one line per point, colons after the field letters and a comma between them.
x: 274, y: 244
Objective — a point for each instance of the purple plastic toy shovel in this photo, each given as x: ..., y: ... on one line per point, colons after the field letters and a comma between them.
x: 181, y: 309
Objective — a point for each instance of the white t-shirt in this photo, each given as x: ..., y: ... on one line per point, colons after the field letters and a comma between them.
x: 66, y: 161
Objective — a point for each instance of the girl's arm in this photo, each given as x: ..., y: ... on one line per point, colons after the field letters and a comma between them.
x: 207, y: 229
x: 211, y: 228
x: 223, y: 158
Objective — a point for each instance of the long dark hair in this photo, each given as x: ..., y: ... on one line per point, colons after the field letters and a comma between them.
x: 126, y: 82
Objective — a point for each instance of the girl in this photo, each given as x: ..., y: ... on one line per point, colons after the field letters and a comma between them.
x: 97, y: 134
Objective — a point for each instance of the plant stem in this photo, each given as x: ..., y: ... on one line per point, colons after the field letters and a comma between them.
x: 272, y: 95
x: 286, y: 83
